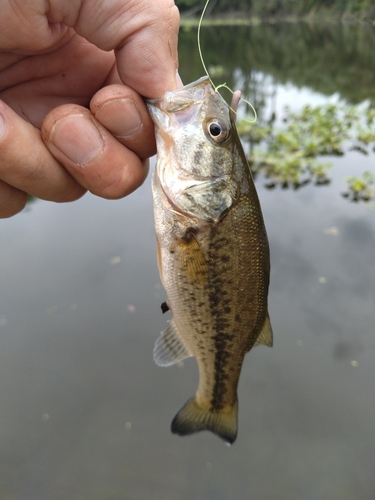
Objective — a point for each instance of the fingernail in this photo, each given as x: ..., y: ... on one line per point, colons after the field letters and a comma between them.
x: 77, y: 137
x: 120, y: 116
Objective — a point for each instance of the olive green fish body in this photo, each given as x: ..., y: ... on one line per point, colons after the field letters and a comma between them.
x: 212, y: 252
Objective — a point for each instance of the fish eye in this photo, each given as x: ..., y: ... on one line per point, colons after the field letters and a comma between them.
x: 217, y: 130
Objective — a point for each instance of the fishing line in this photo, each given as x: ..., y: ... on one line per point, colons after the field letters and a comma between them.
x: 222, y: 85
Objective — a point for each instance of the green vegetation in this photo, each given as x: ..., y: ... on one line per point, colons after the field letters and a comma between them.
x: 361, y: 188
x: 282, y: 9
x: 289, y: 155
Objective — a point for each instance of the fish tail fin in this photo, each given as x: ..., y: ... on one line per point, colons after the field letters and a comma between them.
x: 194, y: 418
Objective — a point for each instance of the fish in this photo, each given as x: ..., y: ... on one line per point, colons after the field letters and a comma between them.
x: 212, y: 251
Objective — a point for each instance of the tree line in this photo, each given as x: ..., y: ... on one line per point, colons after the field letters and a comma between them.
x: 326, y: 57
x: 280, y: 8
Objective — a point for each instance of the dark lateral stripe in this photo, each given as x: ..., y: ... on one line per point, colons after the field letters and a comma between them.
x: 221, y: 376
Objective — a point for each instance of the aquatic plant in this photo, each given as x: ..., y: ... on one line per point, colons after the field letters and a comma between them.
x: 288, y: 152
x: 360, y: 188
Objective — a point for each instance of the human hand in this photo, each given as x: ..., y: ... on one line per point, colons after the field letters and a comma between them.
x: 71, y: 79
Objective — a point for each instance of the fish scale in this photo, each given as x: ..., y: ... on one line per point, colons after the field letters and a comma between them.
x: 213, y: 252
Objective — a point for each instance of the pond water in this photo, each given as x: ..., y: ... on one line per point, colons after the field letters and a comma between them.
x: 85, y: 413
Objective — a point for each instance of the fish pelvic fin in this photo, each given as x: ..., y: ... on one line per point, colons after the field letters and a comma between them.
x: 194, y: 418
x: 266, y: 336
x: 169, y: 347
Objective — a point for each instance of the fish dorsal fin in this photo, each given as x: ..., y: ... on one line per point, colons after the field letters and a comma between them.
x: 265, y: 337
x: 169, y: 347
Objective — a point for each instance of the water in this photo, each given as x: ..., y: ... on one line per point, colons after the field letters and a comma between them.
x: 85, y: 413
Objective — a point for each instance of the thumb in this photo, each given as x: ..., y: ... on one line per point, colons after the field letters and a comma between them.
x: 144, y: 36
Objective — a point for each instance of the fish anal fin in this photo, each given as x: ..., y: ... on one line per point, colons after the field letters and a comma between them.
x: 266, y: 336
x: 194, y: 418
x: 169, y: 347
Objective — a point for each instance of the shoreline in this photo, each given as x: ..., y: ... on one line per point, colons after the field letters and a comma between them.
x: 240, y: 20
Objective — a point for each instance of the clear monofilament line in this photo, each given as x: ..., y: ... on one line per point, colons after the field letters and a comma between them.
x: 223, y: 85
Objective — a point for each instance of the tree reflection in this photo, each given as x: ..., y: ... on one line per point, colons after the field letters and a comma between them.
x: 329, y: 59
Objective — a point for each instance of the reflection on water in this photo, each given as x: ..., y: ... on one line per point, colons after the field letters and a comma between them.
x: 85, y: 413
x: 329, y: 59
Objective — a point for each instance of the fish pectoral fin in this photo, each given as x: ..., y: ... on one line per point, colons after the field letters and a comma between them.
x: 266, y: 336
x: 194, y: 418
x: 192, y: 260
x: 169, y: 347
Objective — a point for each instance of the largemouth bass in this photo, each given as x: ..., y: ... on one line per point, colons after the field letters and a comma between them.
x: 213, y: 253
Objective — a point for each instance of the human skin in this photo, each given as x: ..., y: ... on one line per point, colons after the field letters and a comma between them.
x: 72, y: 75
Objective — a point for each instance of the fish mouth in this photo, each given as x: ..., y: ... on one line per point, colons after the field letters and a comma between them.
x: 187, y: 92
x: 181, y: 103
x: 181, y: 106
